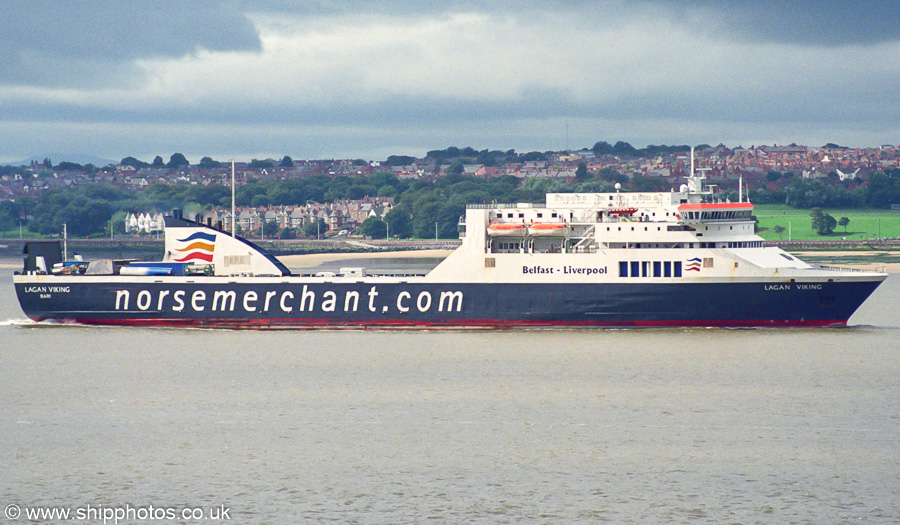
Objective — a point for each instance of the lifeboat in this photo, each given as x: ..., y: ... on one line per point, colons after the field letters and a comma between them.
x: 502, y: 229
x: 543, y: 229
x: 617, y: 212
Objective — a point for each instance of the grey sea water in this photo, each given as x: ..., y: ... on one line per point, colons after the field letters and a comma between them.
x: 618, y: 426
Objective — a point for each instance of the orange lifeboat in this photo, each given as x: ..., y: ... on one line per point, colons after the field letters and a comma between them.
x: 503, y: 229
x: 543, y: 229
x: 616, y: 212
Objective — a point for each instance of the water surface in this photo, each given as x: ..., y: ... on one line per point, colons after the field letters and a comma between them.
x: 623, y: 426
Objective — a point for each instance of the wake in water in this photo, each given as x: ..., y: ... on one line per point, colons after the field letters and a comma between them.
x: 18, y: 322
x: 28, y: 323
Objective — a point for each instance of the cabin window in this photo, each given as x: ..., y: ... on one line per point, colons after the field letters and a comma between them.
x: 521, y: 215
x: 657, y: 269
x: 676, y: 268
x: 645, y: 270
x: 635, y: 269
x: 623, y: 268
x: 553, y: 215
x: 667, y: 269
x: 540, y: 215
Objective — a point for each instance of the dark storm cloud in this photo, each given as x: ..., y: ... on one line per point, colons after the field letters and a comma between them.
x: 802, y: 22
x: 48, y: 42
x: 828, y: 104
x: 805, y: 22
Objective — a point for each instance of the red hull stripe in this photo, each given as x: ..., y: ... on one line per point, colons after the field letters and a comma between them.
x: 469, y: 324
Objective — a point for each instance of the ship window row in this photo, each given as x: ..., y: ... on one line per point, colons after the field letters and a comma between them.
x: 507, y: 247
x: 540, y: 215
x: 742, y: 244
x: 678, y: 245
x: 649, y: 268
x: 717, y: 215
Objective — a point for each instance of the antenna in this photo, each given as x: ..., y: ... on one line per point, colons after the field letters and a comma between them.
x: 233, y: 218
x: 692, y: 161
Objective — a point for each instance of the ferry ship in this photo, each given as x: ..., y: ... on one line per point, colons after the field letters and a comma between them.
x: 622, y: 259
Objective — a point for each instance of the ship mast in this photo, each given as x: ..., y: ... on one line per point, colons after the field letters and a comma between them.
x: 233, y: 218
x: 695, y: 182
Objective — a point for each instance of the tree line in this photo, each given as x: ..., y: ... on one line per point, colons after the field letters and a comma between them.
x: 93, y: 209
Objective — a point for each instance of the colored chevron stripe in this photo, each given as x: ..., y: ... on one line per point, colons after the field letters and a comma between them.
x: 199, y: 245
x: 200, y: 235
x: 696, y: 260
x: 692, y: 269
x: 196, y: 255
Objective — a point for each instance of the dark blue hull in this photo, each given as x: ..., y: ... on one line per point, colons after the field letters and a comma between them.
x: 367, y: 304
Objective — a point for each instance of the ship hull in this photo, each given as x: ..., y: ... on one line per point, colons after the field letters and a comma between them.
x: 294, y: 304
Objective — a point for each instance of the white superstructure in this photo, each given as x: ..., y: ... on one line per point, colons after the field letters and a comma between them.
x: 610, y: 237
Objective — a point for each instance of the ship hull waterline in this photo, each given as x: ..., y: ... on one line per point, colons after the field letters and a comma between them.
x: 295, y: 305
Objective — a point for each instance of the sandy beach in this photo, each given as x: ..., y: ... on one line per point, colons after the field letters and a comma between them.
x: 316, y: 259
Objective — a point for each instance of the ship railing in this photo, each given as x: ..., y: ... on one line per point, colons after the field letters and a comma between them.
x: 844, y: 268
x: 493, y: 206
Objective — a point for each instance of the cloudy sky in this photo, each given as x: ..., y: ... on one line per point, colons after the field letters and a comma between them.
x: 361, y: 79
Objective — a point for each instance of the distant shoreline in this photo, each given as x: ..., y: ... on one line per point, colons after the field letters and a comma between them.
x: 854, y: 260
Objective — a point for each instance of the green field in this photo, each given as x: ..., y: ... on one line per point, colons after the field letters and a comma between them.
x: 864, y: 224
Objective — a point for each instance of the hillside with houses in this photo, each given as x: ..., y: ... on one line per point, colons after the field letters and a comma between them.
x: 333, y: 216
x: 286, y: 196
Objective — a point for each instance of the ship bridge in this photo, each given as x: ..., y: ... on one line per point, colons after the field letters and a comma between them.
x: 695, y: 213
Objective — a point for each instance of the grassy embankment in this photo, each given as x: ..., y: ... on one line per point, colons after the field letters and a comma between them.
x: 864, y: 224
